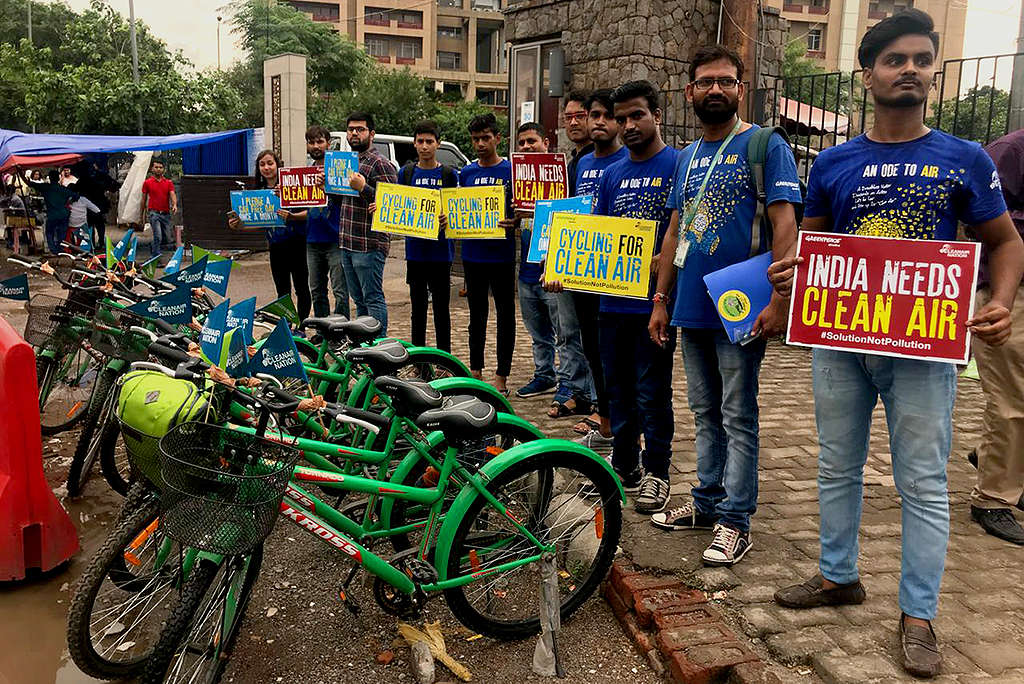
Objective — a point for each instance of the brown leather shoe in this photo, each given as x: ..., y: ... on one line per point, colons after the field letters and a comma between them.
x: 811, y: 594
x: 920, y: 649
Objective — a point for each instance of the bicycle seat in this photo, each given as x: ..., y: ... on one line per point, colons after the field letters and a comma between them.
x: 360, y: 330
x: 410, y: 398
x: 323, y: 324
x: 383, y: 358
x: 460, y: 417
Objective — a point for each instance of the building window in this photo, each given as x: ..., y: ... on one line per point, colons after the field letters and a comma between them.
x: 377, y: 16
x: 451, y: 61
x: 376, y: 47
x: 450, y: 3
x: 495, y: 98
x: 814, y: 40
x: 408, y: 19
x: 409, y: 51
x: 485, y: 4
x: 449, y: 32
x: 318, y: 11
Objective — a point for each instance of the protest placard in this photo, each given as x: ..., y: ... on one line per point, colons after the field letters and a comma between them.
x: 406, y: 210
x: 887, y: 296
x: 474, y: 212
x: 257, y: 208
x: 339, y: 165
x: 538, y: 176
x: 302, y: 187
x: 740, y: 292
x: 544, y: 211
x: 602, y: 254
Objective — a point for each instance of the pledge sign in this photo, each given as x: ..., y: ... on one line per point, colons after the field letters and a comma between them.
x: 302, y: 187
x: 538, y: 176
x: 888, y: 296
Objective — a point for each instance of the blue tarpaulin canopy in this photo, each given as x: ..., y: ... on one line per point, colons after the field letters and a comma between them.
x: 17, y: 144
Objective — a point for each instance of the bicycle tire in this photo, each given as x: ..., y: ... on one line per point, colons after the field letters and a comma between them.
x: 113, y: 473
x: 604, y: 490
x: 109, y: 563
x: 426, y: 364
x: 55, y: 385
x: 182, y: 622
x: 87, y: 449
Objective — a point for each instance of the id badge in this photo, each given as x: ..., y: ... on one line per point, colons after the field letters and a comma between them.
x: 682, y: 250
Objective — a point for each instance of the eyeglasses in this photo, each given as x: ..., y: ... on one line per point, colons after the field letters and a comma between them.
x: 723, y: 83
x: 357, y: 129
x: 582, y: 116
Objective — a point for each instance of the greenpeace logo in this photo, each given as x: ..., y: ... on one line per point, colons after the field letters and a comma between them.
x: 830, y: 241
x: 954, y: 253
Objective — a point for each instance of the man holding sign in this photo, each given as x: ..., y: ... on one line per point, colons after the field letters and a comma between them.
x: 899, y: 179
x: 323, y: 255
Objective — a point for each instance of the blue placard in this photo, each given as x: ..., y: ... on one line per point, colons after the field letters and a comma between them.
x: 740, y: 293
x: 338, y: 166
x: 257, y: 208
x: 543, y: 212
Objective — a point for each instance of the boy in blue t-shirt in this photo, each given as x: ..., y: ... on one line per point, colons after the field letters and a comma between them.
x: 715, y: 221
x: 490, y: 264
x: 637, y: 372
x: 931, y: 181
x: 323, y: 255
x: 429, y: 262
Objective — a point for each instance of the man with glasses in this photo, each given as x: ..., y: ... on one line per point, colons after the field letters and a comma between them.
x: 714, y: 211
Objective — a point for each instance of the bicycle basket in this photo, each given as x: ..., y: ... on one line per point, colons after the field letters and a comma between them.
x: 111, y: 335
x: 49, y: 321
x: 222, y: 488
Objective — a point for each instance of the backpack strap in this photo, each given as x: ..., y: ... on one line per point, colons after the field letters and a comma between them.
x: 448, y: 177
x: 757, y: 155
x: 406, y: 173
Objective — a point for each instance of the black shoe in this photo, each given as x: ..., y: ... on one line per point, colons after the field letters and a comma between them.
x: 920, y: 650
x: 972, y: 458
x: 631, y: 481
x: 810, y: 594
x: 999, y: 522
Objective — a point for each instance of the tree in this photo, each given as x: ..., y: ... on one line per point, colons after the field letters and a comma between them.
x: 397, y: 100
x: 980, y: 115
x: 807, y: 82
x: 453, y: 119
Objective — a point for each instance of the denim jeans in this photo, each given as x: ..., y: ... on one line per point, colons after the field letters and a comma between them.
x: 540, y: 314
x: 323, y: 259
x: 160, y: 222
x: 364, y: 272
x: 573, y: 371
x: 638, y: 379
x: 918, y: 398
x: 721, y: 382
x: 56, y: 229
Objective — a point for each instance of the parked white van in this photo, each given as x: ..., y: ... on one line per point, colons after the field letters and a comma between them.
x: 398, y: 149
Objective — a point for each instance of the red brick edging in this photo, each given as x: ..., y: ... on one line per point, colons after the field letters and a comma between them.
x: 682, y: 635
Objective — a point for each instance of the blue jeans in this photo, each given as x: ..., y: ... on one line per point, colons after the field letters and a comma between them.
x: 574, y: 374
x: 638, y: 379
x: 323, y: 259
x: 56, y: 229
x: 364, y: 272
x: 160, y: 222
x: 540, y: 314
x: 721, y: 382
x: 918, y: 398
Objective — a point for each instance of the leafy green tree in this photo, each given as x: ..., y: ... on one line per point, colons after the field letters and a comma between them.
x: 980, y: 115
x: 454, y: 118
x: 807, y: 82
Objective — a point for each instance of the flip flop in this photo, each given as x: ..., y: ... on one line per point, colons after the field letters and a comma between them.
x: 590, y: 424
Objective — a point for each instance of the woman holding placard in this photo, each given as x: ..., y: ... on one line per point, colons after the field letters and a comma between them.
x: 287, y: 243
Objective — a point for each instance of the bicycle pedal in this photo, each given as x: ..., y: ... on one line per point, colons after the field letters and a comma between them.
x: 348, y: 600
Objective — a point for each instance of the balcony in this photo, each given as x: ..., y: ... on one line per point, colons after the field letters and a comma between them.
x: 817, y: 9
x: 410, y: 24
x: 376, y: 20
x: 383, y: 59
x: 792, y: 7
x: 877, y: 14
x: 405, y: 60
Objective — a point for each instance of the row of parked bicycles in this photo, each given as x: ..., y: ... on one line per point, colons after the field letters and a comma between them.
x: 391, y: 456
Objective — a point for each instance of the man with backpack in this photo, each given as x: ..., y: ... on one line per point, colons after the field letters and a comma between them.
x: 716, y: 222
x: 429, y: 262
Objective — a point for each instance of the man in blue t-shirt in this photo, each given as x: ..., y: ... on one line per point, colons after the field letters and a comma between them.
x: 715, y: 220
x: 323, y: 255
x: 637, y: 372
x: 429, y: 262
x: 934, y: 181
x: 490, y: 264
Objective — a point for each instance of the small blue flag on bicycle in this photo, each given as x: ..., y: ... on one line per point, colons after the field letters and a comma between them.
x: 174, y: 265
x: 173, y: 307
x: 216, y: 276
x: 132, y: 245
x: 187, y: 278
x: 242, y: 315
x: 86, y: 241
x: 148, y: 268
x: 122, y: 245
x: 212, y: 334
x: 15, y: 288
x: 234, y: 353
x: 278, y: 356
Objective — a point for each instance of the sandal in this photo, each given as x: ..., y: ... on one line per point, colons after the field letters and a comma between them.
x: 586, y: 426
x: 561, y: 409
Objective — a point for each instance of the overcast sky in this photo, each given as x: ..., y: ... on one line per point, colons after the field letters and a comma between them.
x: 191, y: 26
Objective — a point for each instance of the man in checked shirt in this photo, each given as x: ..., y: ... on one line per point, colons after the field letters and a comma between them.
x: 363, y: 253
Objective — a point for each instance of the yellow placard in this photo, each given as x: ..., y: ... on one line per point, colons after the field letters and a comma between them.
x: 474, y: 212
x: 406, y: 210
x: 602, y: 254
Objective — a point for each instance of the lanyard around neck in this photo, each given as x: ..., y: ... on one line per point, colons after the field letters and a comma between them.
x: 689, y: 212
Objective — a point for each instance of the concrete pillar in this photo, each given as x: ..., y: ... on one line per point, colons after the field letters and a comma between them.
x: 284, y: 106
x: 471, y: 48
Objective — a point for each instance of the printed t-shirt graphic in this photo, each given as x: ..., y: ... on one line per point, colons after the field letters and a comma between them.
x: 589, y: 170
x: 489, y: 251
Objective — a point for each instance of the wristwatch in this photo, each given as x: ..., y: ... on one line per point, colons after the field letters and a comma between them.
x: 660, y: 298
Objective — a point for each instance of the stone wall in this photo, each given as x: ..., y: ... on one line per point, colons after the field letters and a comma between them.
x: 607, y: 42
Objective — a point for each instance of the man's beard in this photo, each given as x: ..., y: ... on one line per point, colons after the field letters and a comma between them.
x: 906, y: 100
x: 359, y: 146
x: 316, y: 154
x: 715, y: 115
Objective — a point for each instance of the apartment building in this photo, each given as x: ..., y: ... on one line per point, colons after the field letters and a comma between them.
x: 457, y: 44
x: 832, y: 29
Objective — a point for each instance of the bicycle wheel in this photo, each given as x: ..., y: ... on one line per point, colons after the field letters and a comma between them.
x: 425, y: 364
x: 196, y: 643
x: 65, y: 384
x: 101, y: 405
x: 578, y: 511
x: 114, y: 462
x: 126, y: 592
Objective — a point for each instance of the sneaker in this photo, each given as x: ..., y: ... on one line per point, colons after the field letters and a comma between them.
x: 652, y: 495
x: 630, y: 481
x: 685, y: 517
x: 535, y: 388
x: 597, y: 442
x: 999, y: 522
x: 728, y: 547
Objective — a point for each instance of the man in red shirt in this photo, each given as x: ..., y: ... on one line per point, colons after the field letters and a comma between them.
x: 159, y: 199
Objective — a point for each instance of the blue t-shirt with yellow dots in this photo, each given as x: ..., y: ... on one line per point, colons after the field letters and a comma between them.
x: 722, y: 228
x: 918, y: 189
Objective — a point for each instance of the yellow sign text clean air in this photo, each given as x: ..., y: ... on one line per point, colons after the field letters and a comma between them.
x: 474, y: 211
x: 406, y: 210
